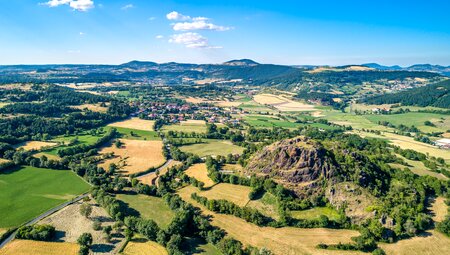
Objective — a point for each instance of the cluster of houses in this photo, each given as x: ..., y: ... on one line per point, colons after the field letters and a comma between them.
x: 443, y: 143
x: 175, y: 113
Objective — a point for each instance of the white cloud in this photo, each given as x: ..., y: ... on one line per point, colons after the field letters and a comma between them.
x: 177, y: 16
x: 152, y: 18
x: 79, y: 5
x: 198, y: 25
x: 55, y: 3
x: 82, y: 33
x: 192, y: 40
x: 128, y: 6
x: 159, y: 36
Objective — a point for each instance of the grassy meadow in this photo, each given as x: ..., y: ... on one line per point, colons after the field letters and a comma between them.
x: 26, y: 192
x: 149, y: 207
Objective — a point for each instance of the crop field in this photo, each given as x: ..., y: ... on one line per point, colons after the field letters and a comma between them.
x: 315, y: 212
x: 349, y: 119
x: 142, y: 246
x: 134, y: 123
x: 70, y: 224
x: 199, y: 172
x: 439, y: 209
x: 149, y: 207
x: 85, y: 139
x: 234, y: 193
x: 34, y: 145
x: 197, y: 126
x: 134, y: 156
x: 52, y: 156
x: 91, y: 107
x: 28, y: 247
x: 2, y: 160
x: 213, y: 148
x: 26, y: 192
x: 283, y: 104
x: 279, y: 240
x: 233, y: 168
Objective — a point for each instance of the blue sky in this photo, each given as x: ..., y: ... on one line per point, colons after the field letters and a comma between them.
x: 200, y: 31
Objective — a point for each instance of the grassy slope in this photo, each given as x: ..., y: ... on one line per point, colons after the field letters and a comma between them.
x: 149, y: 208
x: 27, y: 192
x: 315, y: 212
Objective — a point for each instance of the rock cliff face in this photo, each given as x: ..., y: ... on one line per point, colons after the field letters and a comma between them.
x: 299, y: 164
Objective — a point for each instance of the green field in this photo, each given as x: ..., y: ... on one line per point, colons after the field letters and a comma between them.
x: 134, y: 134
x: 441, y: 121
x: 194, y: 246
x: 267, y: 205
x: 149, y: 208
x: 268, y: 122
x: 26, y: 192
x: 213, y: 147
x: 315, y: 212
x: 82, y: 139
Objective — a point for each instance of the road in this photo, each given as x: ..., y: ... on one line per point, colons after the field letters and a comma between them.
x: 42, y: 216
x: 168, y: 162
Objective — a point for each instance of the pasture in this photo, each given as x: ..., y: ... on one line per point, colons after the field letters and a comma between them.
x: 34, y: 145
x: 199, y: 172
x: 134, y: 123
x: 314, y: 213
x: 279, y: 240
x: 91, y: 107
x: 264, y: 121
x: 418, y: 168
x: 135, y: 134
x: 197, y: 126
x: 149, y: 207
x: 195, y: 246
x: 431, y: 242
x: 134, y: 156
x: 267, y: 205
x: 142, y: 246
x: 417, y: 119
x: 213, y: 147
x: 26, y: 192
x: 28, y: 247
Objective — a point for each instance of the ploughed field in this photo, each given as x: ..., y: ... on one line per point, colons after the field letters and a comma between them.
x: 26, y: 192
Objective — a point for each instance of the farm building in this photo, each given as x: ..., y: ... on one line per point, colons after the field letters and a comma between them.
x: 443, y: 143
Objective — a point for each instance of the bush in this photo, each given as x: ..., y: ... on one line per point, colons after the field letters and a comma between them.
x: 36, y: 232
x: 97, y: 225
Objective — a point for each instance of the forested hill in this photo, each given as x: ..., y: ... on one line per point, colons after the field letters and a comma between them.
x: 437, y: 95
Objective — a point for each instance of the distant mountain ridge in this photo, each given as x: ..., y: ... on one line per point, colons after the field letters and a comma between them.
x: 445, y: 70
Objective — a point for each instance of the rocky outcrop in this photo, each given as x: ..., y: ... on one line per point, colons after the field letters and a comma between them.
x: 299, y: 164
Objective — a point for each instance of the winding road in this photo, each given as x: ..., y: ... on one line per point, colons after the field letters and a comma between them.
x: 42, y: 216
x: 168, y: 162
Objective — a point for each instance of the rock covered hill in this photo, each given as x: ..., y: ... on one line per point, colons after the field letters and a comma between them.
x: 310, y: 170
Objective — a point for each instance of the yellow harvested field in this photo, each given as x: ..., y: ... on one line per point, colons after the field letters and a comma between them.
x: 29, y: 247
x: 232, y: 168
x: 70, y: 224
x: 150, y: 179
x: 49, y: 156
x: 2, y: 160
x: 34, y: 145
x: 134, y: 156
x: 199, y: 172
x: 2, y: 231
x: 92, y: 107
x: 281, y: 241
x: 430, y: 243
x: 409, y: 143
x: 141, y: 246
x: 283, y: 104
x: 234, y: 193
x: 439, y: 209
x: 135, y: 123
x: 195, y: 100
